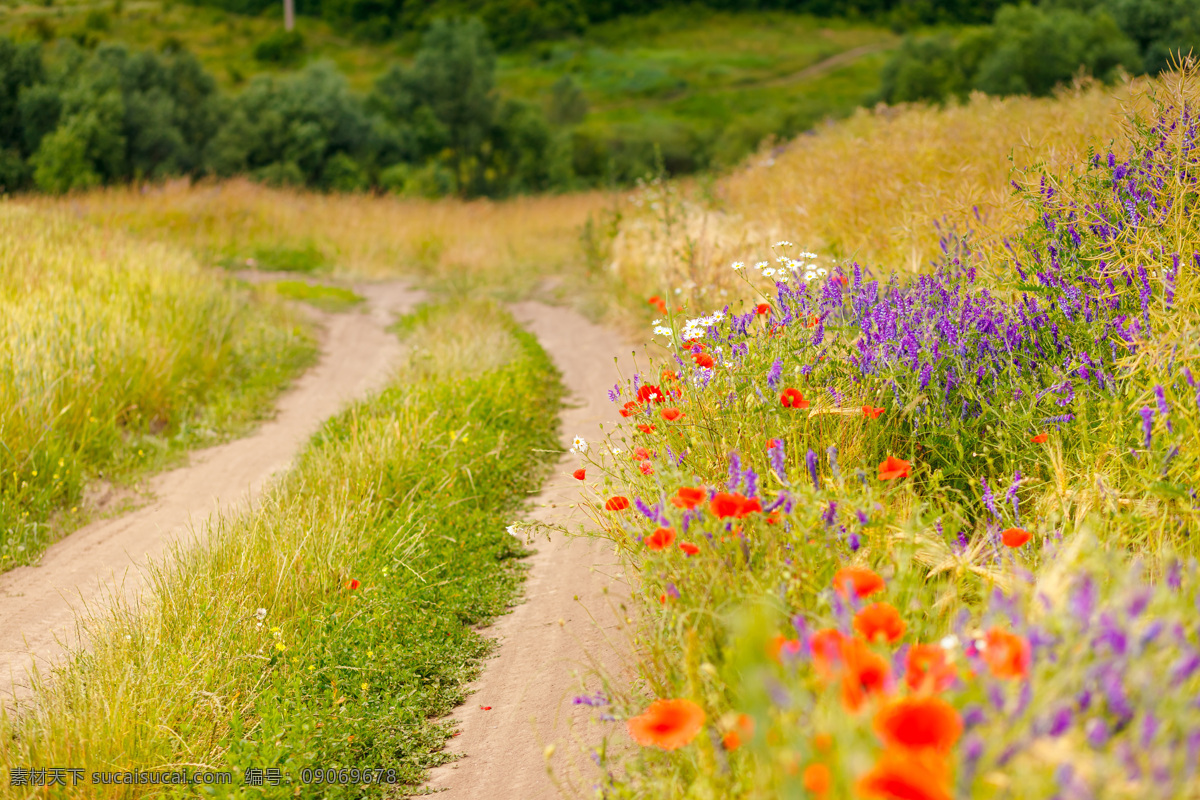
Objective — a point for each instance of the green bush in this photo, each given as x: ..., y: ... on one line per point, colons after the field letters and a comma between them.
x: 285, y: 48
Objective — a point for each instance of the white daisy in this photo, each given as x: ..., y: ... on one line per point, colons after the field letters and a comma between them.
x: 738, y: 265
x: 579, y: 445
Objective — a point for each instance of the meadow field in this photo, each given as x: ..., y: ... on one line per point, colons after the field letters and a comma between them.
x: 905, y: 480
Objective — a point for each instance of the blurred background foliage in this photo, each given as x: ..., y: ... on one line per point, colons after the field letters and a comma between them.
x: 501, y: 97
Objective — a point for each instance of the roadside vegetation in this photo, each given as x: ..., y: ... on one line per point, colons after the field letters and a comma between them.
x: 335, y: 623
x: 116, y: 355
x: 927, y: 533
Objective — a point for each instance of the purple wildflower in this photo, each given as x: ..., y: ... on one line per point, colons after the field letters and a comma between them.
x: 778, y: 459
x: 1147, y: 425
x: 811, y: 460
x: 775, y: 373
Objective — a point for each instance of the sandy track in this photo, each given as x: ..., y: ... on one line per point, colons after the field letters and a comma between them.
x: 39, y: 604
x: 567, y: 621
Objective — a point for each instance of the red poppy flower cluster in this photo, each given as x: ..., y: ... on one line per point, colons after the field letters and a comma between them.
x: 658, y: 303
x: 733, y: 504
x: 791, y: 398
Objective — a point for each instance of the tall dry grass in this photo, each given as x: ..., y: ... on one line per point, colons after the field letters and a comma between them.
x: 115, y: 354
x: 870, y: 188
x: 519, y: 240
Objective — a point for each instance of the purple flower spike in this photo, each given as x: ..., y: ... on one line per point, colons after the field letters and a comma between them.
x: 735, y: 472
x: 811, y: 460
x: 778, y: 459
x: 989, y: 500
x: 775, y: 373
x: 1147, y: 425
x: 1097, y: 732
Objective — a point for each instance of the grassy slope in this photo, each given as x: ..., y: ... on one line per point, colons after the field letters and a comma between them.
x: 115, y: 356
x: 407, y: 493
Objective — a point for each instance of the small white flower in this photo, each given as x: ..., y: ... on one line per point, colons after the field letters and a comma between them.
x: 662, y: 330
x: 808, y: 255
x: 950, y: 642
x: 679, y: 291
x: 738, y: 265
x: 822, y: 271
x: 128, y: 638
x: 760, y: 265
x: 616, y: 451
x: 768, y: 272
x: 260, y: 614
x: 512, y: 531
x: 579, y: 445
x: 808, y: 276
x: 783, y: 244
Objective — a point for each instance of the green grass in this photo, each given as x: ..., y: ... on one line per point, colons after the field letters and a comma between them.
x: 326, y: 298
x: 116, y: 357
x: 409, y: 494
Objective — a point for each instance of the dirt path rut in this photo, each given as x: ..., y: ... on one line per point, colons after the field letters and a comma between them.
x: 570, y: 619
x: 39, y: 604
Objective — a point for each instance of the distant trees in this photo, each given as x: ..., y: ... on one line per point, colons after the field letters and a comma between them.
x: 436, y: 127
x: 1031, y: 49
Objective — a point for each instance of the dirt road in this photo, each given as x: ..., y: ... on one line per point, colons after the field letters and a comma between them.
x: 570, y: 619
x: 39, y: 604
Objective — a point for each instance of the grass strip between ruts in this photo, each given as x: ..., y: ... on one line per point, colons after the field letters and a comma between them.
x: 333, y: 625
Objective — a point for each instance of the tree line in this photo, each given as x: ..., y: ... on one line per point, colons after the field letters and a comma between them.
x: 1030, y: 49
x: 71, y: 119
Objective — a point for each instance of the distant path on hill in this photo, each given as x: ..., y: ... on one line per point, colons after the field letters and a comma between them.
x: 821, y: 67
x: 567, y: 622
x: 816, y: 70
x: 39, y: 604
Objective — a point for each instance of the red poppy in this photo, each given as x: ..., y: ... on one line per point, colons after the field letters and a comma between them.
x: 1040, y: 438
x: 658, y: 303
x: 687, y: 497
x: 791, y: 398
x: 927, y: 668
x: 1006, y: 654
x: 743, y: 728
x: 671, y: 414
x: 1015, y: 537
x: 862, y: 581
x: 579, y: 474
x: 894, y: 468
x: 649, y: 393
x: 812, y: 321
x: 353, y: 584
x: 617, y: 503
x: 826, y: 646
x: 641, y: 454
x: 689, y: 548
x: 879, y: 620
x: 919, y: 723
x: 774, y: 443
x: 816, y: 778
x: 840, y: 278
x: 871, y: 412
x: 864, y: 673
x: 668, y: 724
x: 762, y: 308
x: 661, y: 539
x: 703, y: 360
x: 734, y: 504
x: 646, y: 468
x: 901, y: 774
x: 646, y: 428
x: 669, y: 375
x: 823, y: 742
x: 629, y: 409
